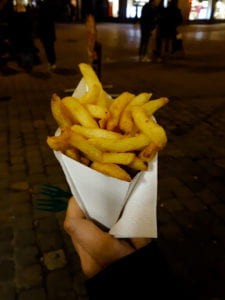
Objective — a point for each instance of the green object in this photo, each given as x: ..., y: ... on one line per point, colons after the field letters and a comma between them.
x: 55, y: 200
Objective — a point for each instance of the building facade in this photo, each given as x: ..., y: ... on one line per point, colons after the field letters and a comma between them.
x: 203, y: 11
x: 192, y: 10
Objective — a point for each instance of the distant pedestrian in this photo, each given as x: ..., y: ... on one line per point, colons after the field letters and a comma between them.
x: 47, y: 11
x: 21, y: 37
x: 148, y: 23
x: 170, y: 18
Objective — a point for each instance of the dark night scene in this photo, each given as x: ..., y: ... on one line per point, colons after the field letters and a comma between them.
x: 112, y: 157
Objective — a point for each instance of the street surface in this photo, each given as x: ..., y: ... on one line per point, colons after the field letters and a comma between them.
x: 37, y: 260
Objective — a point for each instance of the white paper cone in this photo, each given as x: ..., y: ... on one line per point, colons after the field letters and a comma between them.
x: 128, y: 209
x: 139, y: 216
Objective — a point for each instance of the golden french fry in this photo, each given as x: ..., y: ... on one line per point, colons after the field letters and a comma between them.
x: 85, y: 160
x: 138, y: 164
x: 116, y: 109
x: 148, y: 153
x: 149, y: 127
x: 60, y: 142
x: 121, y: 145
x: 79, y: 142
x: 104, y: 100
x: 89, y: 75
x: 118, y: 158
x: 103, y: 122
x: 126, y: 123
x: 96, y: 111
x: 91, y: 129
x: 111, y: 170
x: 59, y: 112
x: 79, y: 112
x: 92, y: 95
x: 96, y: 132
x: 72, y: 153
x: 153, y: 105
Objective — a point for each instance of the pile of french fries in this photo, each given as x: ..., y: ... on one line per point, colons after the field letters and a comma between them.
x: 113, y: 136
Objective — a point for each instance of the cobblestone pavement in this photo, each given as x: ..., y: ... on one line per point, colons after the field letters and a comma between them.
x: 37, y: 260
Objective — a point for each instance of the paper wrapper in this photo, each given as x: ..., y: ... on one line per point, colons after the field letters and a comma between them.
x: 127, y: 209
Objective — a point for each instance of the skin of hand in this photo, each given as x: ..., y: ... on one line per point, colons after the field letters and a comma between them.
x: 96, y: 248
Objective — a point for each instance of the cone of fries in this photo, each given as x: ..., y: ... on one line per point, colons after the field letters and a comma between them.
x: 108, y: 150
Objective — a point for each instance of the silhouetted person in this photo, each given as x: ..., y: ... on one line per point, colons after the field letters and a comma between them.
x: 21, y: 37
x: 4, y: 47
x: 46, y: 17
x: 170, y: 18
x: 148, y: 22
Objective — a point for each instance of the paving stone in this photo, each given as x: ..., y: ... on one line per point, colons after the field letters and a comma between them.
x: 33, y: 294
x: 163, y: 216
x: 59, y: 284
x: 79, y: 284
x: 172, y: 205
x: 47, y: 224
x: 54, y: 259
x: 17, y: 160
x: 6, y: 270
x: 24, y: 238
x: 7, y: 291
x: 28, y: 276
x: 22, y: 209
x: 207, y: 196
x: 22, y: 222
x: 18, y: 168
x: 25, y: 256
x: 193, y: 204
x: 6, y: 233
x: 20, y: 186
x: 49, y: 241
x: 6, y: 220
x: 38, y: 178
x: 6, y: 250
x: 219, y: 209
x: 217, y: 187
x: 170, y: 231
x: 22, y: 175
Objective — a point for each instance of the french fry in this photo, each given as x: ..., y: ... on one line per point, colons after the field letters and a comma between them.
x: 84, y: 160
x: 138, y: 164
x: 121, y: 145
x: 72, y: 153
x: 59, y: 112
x: 116, y: 109
x: 149, y: 127
x: 97, y: 111
x: 96, y: 132
x: 117, y: 137
x: 126, y: 123
x: 104, y: 99
x: 60, y: 142
x: 90, y: 151
x: 79, y: 112
x: 112, y: 170
x: 153, y: 105
x: 148, y: 153
x: 89, y: 75
x: 92, y: 95
x: 118, y: 158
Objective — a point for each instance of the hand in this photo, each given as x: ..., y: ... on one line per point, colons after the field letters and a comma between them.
x: 97, y: 249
